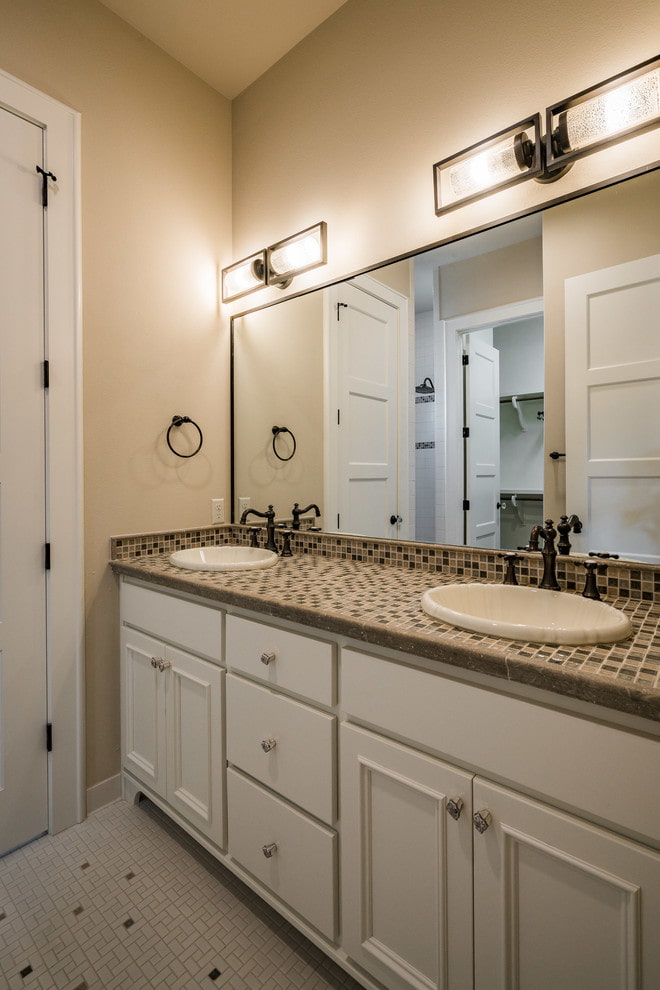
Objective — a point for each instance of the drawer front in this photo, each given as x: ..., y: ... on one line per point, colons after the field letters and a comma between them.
x: 197, y: 628
x: 297, y: 758
x: 302, y: 866
x: 580, y: 763
x: 296, y: 662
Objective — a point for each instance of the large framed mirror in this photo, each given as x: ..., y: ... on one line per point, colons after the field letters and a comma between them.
x: 426, y: 400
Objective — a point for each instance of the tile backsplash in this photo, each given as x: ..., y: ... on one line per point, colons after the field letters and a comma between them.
x: 616, y: 579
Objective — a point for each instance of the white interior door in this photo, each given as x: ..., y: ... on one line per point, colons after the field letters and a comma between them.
x: 482, y: 445
x: 613, y: 408
x: 365, y: 384
x: 23, y: 701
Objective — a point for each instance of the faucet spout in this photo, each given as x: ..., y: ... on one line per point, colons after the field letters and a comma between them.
x: 269, y: 516
x: 297, y: 512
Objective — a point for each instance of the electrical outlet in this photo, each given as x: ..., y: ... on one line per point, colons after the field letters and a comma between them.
x: 243, y: 504
x: 217, y: 511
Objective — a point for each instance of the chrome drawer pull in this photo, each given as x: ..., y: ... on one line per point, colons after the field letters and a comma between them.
x: 454, y: 808
x: 482, y: 820
x: 267, y: 658
x: 268, y: 744
x: 269, y: 850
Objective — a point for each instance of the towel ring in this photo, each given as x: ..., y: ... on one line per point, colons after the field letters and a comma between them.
x: 276, y: 432
x: 178, y: 421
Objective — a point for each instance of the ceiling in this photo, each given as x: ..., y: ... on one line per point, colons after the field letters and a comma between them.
x: 227, y: 43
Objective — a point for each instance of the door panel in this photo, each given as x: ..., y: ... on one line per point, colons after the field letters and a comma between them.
x: 144, y: 709
x: 23, y: 705
x: 613, y: 407
x: 482, y: 401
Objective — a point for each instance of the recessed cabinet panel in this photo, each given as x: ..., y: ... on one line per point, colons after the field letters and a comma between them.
x: 143, y: 711
x: 288, y: 852
x: 283, y: 659
x: 406, y: 864
x: 283, y: 743
x: 195, y: 746
x: 560, y: 902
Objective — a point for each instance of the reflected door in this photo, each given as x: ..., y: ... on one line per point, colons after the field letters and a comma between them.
x: 365, y: 385
x: 482, y: 443
x: 23, y: 713
x: 613, y: 407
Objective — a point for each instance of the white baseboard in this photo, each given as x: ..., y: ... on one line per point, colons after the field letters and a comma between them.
x: 103, y: 793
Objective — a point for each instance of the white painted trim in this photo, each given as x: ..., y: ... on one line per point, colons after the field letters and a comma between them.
x: 454, y: 329
x: 61, y: 126
x: 103, y: 793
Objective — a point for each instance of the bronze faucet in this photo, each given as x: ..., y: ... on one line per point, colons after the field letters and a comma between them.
x: 297, y: 512
x: 548, y: 533
x: 269, y: 516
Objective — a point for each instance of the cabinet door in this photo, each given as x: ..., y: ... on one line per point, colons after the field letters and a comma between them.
x: 406, y: 864
x: 560, y: 902
x: 143, y: 709
x: 195, y: 747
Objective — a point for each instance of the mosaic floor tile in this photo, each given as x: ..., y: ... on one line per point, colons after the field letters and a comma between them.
x: 181, y: 921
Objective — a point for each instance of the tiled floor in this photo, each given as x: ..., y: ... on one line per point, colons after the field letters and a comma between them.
x: 126, y: 900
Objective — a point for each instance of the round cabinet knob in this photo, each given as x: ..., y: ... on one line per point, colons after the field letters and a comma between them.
x: 481, y: 820
x: 164, y: 665
x: 268, y: 744
x: 154, y: 662
x: 267, y: 658
x: 269, y: 850
x: 454, y: 808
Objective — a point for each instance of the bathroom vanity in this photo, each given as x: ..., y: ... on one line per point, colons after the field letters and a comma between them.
x: 433, y: 808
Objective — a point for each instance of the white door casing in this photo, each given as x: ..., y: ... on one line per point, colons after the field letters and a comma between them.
x: 23, y: 702
x: 613, y: 408
x: 482, y: 445
x: 63, y: 479
x: 367, y: 423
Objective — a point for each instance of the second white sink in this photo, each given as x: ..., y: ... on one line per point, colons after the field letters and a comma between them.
x: 224, y: 558
x: 533, y: 614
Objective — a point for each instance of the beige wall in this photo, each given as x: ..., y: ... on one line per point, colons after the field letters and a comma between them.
x: 607, y: 228
x: 156, y: 180
x: 494, y: 279
x: 347, y: 127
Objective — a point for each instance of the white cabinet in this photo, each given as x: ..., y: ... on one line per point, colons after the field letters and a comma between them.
x: 172, y: 724
x: 406, y: 864
x: 560, y: 902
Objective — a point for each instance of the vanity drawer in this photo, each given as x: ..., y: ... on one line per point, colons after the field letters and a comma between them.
x: 302, y: 868
x: 290, y: 661
x: 197, y: 628
x: 300, y: 764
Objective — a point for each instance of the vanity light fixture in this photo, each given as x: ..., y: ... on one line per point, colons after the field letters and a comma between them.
x: 277, y: 264
x: 623, y: 105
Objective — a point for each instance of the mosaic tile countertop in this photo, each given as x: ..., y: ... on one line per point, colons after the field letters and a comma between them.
x: 379, y: 605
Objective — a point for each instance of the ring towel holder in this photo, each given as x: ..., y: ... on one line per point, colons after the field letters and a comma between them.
x: 276, y: 432
x: 179, y: 421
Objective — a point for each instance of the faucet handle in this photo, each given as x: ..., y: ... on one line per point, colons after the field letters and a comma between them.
x: 590, y: 585
x: 510, y: 572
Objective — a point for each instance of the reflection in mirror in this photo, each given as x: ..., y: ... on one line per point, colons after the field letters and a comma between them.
x: 426, y: 397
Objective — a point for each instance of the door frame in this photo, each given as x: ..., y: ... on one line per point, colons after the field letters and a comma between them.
x: 64, y: 478
x: 454, y: 329
x: 398, y: 302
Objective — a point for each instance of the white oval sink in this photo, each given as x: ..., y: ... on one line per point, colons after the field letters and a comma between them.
x: 533, y: 614
x: 225, y: 558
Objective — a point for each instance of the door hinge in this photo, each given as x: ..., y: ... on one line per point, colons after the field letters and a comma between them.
x: 465, y: 359
x: 49, y: 737
x: 466, y: 505
x: 47, y: 556
x: 337, y: 520
x: 466, y: 432
x: 46, y: 374
x: 339, y: 417
x: 45, y: 176
x: 339, y: 306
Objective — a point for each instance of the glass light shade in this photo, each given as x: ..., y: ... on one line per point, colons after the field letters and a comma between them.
x: 299, y: 253
x: 244, y: 276
x: 605, y: 114
x: 501, y: 160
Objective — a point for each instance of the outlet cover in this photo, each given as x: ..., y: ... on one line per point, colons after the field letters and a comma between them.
x: 217, y: 511
x: 243, y: 504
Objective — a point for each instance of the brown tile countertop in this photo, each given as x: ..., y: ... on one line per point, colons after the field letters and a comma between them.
x: 379, y: 605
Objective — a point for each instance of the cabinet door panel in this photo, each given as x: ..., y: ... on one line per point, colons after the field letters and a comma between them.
x: 143, y: 727
x: 195, y: 750
x: 406, y: 864
x: 560, y: 902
